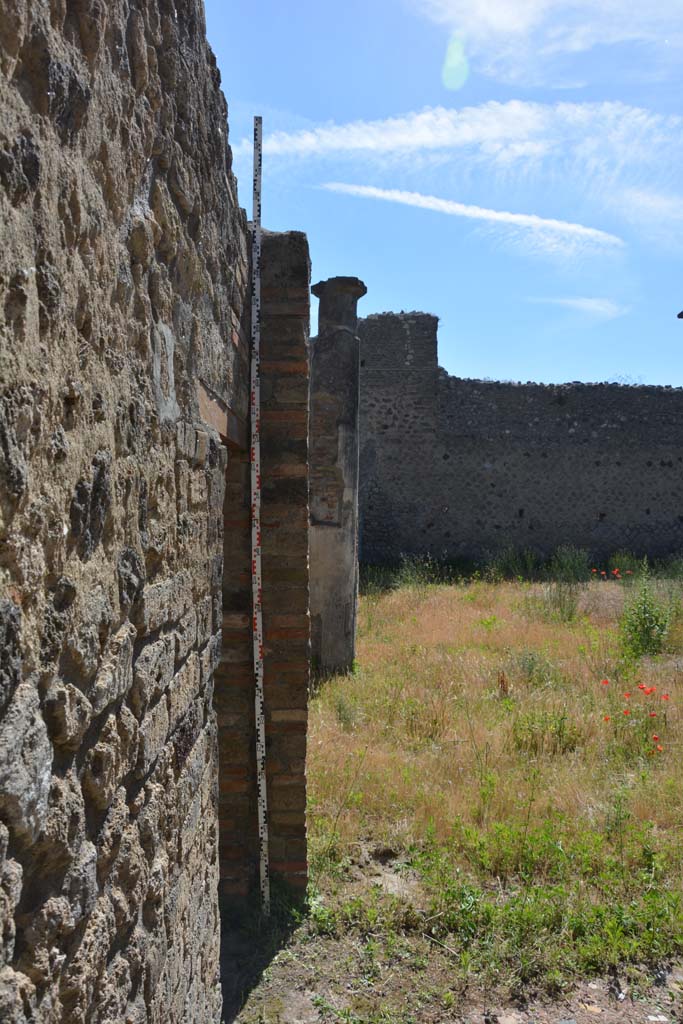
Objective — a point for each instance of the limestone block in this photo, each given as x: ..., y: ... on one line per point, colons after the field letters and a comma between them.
x: 94, y: 614
x: 25, y: 764
x: 68, y: 714
x: 152, y: 673
x: 153, y: 733
x: 199, y: 491
x: 80, y: 881
x: 17, y: 997
x: 91, y: 506
x: 183, y: 690
x: 204, y: 624
x: 165, y: 602
x: 65, y: 824
x: 131, y: 574
x: 201, y: 448
x: 185, y: 441
x: 111, y: 758
x: 10, y: 891
x: 194, y: 770
x: 185, y: 635
x: 44, y: 932
x: 108, y: 838
x: 116, y: 674
x: 112, y: 994
x: 80, y: 978
x: 10, y: 649
x: 153, y: 822
x: 182, y: 474
x: 128, y: 877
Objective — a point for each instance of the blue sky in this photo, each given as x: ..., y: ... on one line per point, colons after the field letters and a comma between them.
x: 513, y: 166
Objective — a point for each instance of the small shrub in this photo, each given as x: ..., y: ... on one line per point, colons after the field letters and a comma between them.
x: 645, y: 622
x: 513, y: 564
x: 557, y: 602
x: 374, y: 580
x: 533, y: 668
x: 569, y: 565
x: 425, y: 721
x: 671, y: 568
x: 627, y: 564
x: 346, y: 712
x: 545, y: 732
x: 417, y: 572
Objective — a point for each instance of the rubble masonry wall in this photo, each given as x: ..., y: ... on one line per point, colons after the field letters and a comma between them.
x: 460, y: 468
x: 123, y: 273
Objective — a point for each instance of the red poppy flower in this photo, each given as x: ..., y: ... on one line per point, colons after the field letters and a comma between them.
x: 606, y: 718
x: 627, y: 695
x: 627, y: 711
x: 603, y: 573
x: 665, y: 696
x: 660, y: 748
x: 655, y: 738
x: 641, y: 686
x: 649, y: 689
x: 605, y: 682
x: 615, y: 572
x: 594, y: 570
x: 653, y: 714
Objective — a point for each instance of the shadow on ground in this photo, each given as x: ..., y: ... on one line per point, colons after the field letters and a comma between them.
x: 249, y: 943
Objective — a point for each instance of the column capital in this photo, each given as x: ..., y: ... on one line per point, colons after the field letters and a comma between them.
x: 338, y: 301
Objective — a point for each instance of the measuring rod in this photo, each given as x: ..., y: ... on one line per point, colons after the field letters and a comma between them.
x: 256, y: 575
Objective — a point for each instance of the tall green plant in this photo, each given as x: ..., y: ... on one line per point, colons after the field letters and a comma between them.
x: 569, y: 565
x: 645, y: 621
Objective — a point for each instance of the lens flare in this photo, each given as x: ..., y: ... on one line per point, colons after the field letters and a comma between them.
x: 456, y: 68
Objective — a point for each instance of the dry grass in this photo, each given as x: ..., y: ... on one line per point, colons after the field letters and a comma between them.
x: 472, y: 813
x: 467, y: 706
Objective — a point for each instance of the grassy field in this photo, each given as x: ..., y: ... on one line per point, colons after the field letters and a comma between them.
x: 496, y: 807
x: 500, y: 780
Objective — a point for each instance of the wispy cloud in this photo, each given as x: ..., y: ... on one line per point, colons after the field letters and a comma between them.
x: 657, y: 216
x: 644, y: 204
x: 544, y: 234
x: 597, y: 308
x: 595, y: 134
x: 522, y: 40
x: 614, y: 162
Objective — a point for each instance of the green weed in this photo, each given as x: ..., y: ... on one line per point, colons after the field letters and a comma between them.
x: 645, y: 622
x: 558, y: 601
x: 569, y: 565
x: 545, y: 732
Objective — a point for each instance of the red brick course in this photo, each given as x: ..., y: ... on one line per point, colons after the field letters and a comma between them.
x: 285, y: 370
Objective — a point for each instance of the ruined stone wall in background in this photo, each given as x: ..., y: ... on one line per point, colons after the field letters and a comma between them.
x: 122, y: 279
x: 465, y: 468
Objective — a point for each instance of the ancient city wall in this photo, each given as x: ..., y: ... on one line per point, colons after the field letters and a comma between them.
x: 464, y: 468
x: 123, y: 273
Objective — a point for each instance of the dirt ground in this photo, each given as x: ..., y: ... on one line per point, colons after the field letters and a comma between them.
x: 314, y: 979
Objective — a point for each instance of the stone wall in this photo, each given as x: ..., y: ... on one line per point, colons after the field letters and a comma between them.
x: 465, y: 468
x: 122, y: 280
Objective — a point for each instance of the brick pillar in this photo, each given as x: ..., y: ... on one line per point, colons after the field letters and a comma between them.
x: 334, y: 474
x: 285, y: 319
x: 285, y: 312
x: 234, y: 689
